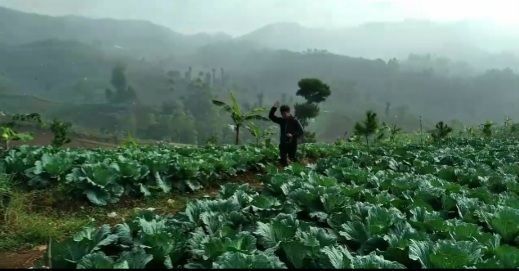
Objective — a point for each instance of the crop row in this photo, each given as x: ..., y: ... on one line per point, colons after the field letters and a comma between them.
x: 104, y: 176
x: 449, y: 206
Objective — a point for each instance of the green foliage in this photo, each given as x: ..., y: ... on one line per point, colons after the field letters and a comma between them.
x: 238, y: 117
x: 212, y: 140
x: 103, y: 176
x: 8, y: 132
x: 306, y: 111
x: 8, y: 135
x: 310, y: 137
x: 6, y: 188
x: 393, y: 206
x: 388, y: 132
x: 34, y: 117
x: 123, y: 93
x: 368, y: 127
x: 61, y: 132
x: 441, y: 132
x: 487, y: 129
x: 394, y: 132
x: 130, y: 142
x: 313, y: 90
x: 260, y: 134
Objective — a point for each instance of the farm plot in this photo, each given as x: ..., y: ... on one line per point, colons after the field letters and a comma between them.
x: 396, y: 206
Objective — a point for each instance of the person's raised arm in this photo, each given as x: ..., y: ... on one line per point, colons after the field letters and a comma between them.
x: 272, y: 115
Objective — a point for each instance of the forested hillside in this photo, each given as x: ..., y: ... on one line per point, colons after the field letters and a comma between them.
x: 67, y: 65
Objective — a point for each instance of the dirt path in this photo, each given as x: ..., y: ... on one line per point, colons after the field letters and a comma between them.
x: 21, y: 259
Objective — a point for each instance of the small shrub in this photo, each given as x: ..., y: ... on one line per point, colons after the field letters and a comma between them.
x: 368, y: 127
x: 441, y: 132
x: 61, y: 133
x: 487, y: 129
x: 130, y: 142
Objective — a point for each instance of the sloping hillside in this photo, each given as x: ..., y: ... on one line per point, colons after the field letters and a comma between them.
x: 141, y: 37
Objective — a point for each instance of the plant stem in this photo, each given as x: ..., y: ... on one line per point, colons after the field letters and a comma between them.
x: 237, y: 134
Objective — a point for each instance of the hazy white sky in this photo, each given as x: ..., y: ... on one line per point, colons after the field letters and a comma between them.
x: 240, y: 16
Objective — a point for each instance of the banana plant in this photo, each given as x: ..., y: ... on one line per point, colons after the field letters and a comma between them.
x: 238, y: 117
x: 7, y: 135
x: 258, y: 133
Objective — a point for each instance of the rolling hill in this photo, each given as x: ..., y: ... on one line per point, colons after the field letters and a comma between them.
x: 473, y: 42
x: 138, y: 38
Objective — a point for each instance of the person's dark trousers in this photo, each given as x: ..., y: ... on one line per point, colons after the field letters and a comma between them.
x: 287, y: 150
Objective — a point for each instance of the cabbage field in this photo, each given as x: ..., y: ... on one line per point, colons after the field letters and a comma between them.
x: 447, y: 205
x: 103, y: 176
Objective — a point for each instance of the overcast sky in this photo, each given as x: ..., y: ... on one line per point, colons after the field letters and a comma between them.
x: 240, y: 16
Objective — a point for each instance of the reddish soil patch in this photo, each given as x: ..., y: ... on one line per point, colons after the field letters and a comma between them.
x: 21, y: 259
x: 250, y: 177
x: 43, y: 138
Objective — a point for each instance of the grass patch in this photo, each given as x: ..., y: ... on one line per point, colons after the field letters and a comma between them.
x: 32, y: 217
x: 28, y: 222
x: 23, y: 228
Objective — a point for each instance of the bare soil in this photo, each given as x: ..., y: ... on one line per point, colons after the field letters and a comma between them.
x: 21, y: 259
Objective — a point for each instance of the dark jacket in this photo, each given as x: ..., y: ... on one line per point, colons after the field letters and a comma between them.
x: 290, y: 125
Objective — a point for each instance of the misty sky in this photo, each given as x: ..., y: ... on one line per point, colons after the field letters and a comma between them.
x: 240, y: 16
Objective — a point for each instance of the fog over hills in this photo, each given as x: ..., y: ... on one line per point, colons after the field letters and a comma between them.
x: 481, y: 45
x: 443, y: 71
x: 470, y: 42
x: 142, y: 37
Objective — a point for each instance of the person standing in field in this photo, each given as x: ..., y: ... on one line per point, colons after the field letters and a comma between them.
x: 291, y: 131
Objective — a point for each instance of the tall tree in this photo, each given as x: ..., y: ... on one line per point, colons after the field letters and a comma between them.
x: 315, y: 92
x: 122, y: 93
x: 118, y: 80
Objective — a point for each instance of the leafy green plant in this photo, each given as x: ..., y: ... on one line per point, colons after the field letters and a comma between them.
x: 61, y: 132
x: 441, y: 132
x: 487, y: 129
x: 388, y: 132
x: 383, y: 132
x: 6, y: 187
x: 8, y: 132
x: 238, y: 117
x: 395, y: 131
x: 368, y: 127
x: 35, y: 117
x: 130, y: 142
x: 8, y: 135
x: 212, y: 140
x: 103, y: 176
x: 395, y: 206
x: 259, y: 134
